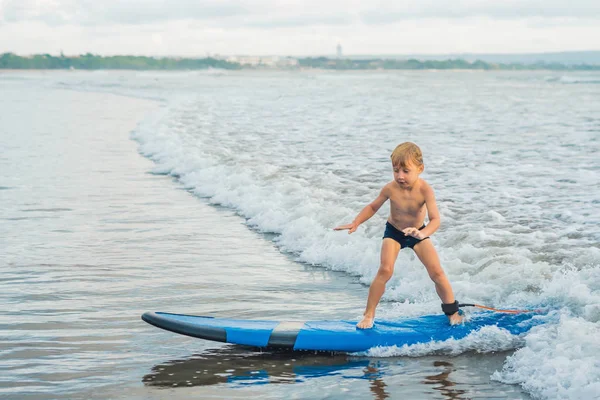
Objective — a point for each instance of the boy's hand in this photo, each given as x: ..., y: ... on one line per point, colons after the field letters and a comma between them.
x: 414, y: 232
x: 351, y: 227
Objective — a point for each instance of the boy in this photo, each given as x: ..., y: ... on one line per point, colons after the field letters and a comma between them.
x: 411, y: 198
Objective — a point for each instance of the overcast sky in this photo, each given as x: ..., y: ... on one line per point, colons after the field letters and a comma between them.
x: 297, y: 27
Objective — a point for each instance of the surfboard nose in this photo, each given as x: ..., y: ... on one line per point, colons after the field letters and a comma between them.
x: 149, y: 316
x: 190, y: 325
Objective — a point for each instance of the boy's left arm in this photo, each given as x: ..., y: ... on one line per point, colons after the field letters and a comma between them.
x: 432, y: 212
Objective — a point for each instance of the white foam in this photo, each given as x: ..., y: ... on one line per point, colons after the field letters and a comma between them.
x: 558, y: 361
x: 579, y: 79
x: 485, y: 340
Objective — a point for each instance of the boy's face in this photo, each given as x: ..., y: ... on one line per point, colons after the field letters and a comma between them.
x: 407, y: 176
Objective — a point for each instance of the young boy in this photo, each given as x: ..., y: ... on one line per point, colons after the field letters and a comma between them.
x: 411, y: 198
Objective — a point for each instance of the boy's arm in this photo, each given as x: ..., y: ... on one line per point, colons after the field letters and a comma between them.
x: 432, y: 212
x: 366, y: 212
x: 372, y: 207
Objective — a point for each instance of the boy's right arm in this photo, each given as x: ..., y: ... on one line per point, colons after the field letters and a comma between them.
x: 366, y: 212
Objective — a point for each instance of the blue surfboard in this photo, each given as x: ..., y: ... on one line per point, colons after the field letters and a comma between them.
x: 342, y: 336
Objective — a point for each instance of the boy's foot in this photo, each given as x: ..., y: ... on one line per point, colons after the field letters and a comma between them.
x: 365, y: 323
x: 455, y: 319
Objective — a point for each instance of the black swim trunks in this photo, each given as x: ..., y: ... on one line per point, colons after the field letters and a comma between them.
x: 399, y: 236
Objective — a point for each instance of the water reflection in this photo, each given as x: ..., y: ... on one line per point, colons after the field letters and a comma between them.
x: 443, y: 383
x: 238, y: 365
x: 377, y: 386
x: 234, y: 364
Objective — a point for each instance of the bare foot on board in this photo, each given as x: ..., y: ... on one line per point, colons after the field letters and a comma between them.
x: 366, y: 323
x: 455, y: 319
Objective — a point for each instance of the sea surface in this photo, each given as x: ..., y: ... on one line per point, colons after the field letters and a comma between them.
x: 215, y: 193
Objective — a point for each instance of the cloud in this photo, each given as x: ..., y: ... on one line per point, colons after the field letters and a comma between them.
x: 193, y: 39
x: 391, y: 11
x: 110, y: 12
x: 297, y: 27
x: 297, y: 20
x: 266, y: 14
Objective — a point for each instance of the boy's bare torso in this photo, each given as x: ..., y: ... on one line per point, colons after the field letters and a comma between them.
x: 407, y: 205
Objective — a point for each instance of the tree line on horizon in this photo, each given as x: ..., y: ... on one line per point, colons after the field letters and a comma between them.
x: 93, y: 62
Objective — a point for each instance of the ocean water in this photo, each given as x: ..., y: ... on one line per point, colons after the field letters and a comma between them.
x: 216, y: 193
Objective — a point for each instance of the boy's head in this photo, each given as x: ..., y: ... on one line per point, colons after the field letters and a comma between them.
x: 407, y: 154
x: 407, y: 162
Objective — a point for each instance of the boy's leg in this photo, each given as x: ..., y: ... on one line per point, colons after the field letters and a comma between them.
x: 389, y: 253
x: 428, y: 256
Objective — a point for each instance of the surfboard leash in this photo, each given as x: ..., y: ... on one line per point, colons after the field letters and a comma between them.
x: 498, y: 310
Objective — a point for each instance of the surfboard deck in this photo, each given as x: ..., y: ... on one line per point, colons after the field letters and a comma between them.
x: 342, y: 336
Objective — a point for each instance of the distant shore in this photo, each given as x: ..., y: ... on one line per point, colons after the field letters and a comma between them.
x: 11, y: 61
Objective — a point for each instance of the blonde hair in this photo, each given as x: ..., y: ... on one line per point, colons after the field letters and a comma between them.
x: 406, y: 153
